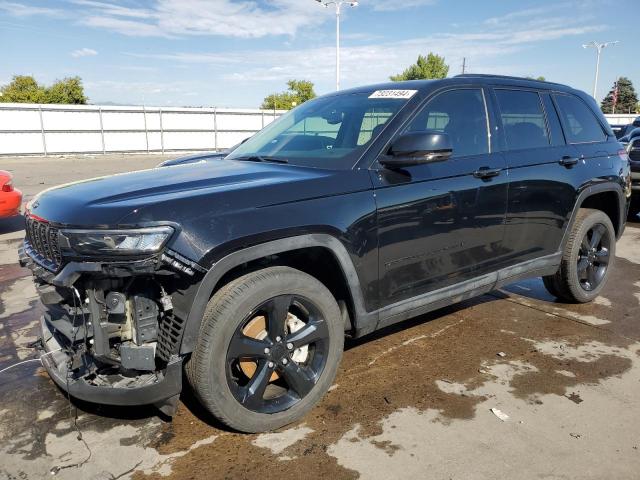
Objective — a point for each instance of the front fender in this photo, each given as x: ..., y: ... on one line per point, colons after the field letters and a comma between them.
x: 364, y: 321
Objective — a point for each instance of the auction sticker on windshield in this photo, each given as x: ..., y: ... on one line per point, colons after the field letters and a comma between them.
x: 393, y: 94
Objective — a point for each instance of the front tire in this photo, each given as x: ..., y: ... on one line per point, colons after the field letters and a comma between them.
x: 587, y: 259
x: 268, y: 350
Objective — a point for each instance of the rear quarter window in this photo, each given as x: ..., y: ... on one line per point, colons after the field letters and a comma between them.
x: 579, y: 122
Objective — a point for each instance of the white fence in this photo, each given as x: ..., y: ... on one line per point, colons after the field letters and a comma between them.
x: 621, y: 119
x: 27, y: 129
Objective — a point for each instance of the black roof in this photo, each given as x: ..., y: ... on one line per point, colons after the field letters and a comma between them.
x: 507, y: 77
x: 461, y: 80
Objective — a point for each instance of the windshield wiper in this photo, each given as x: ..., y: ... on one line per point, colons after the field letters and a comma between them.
x: 260, y: 158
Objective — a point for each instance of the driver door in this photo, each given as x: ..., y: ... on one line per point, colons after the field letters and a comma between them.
x: 442, y: 223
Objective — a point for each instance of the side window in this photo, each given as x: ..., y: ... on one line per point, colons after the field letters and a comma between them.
x: 580, y: 124
x: 373, y: 122
x: 522, y: 119
x: 462, y: 115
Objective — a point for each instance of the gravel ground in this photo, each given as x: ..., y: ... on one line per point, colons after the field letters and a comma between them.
x: 414, y: 400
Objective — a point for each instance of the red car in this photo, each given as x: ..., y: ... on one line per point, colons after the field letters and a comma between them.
x: 10, y: 197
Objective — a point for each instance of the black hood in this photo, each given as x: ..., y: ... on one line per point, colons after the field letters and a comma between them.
x: 153, y: 195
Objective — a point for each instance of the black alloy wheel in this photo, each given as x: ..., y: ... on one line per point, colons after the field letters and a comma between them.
x: 593, y: 259
x: 273, y: 366
x: 587, y: 258
x: 268, y: 349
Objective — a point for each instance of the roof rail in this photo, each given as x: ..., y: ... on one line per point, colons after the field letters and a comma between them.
x: 506, y: 77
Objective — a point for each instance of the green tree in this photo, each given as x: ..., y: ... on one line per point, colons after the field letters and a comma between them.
x: 25, y: 89
x: 627, y: 98
x: 298, y: 92
x: 431, y: 66
x: 22, y: 89
x: 67, y: 91
x: 540, y: 78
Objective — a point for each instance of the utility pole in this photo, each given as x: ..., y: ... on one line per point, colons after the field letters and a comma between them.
x: 599, y: 47
x: 464, y: 65
x: 338, y: 4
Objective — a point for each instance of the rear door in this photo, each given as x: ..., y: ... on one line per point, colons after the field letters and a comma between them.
x: 541, y: 164
x: 442, y: 223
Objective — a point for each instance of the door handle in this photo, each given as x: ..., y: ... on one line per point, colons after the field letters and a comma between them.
x: 486, y: 172
x: 568, y: 161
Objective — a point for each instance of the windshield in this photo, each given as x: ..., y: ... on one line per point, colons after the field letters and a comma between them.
x: 328, y: 132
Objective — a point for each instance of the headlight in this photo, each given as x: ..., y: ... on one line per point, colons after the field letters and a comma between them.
x: 116, y: 242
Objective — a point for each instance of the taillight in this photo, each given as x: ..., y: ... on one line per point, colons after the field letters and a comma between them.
x: 8, y: 187
x: 624, y: 156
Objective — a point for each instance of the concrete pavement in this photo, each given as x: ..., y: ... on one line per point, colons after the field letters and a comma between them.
x: 413, y: 400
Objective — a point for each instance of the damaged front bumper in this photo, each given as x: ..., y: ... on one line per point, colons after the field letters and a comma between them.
x: 109, y: 334
x: 158, y: 388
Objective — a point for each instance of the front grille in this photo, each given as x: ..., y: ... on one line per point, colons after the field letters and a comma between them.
x: 169, y: 335
x: 634, y: 155
x: 43, y: 243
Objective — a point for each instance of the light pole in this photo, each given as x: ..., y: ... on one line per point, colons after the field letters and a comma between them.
x: 599, y: 47
x: 338, y: 4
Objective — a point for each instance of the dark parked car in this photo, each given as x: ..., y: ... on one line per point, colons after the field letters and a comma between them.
x: 631, y: 135
x: 352, y: 212
x: 632, y: 143
x: 624, y: 130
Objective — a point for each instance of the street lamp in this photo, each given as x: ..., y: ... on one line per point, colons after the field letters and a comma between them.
x: 338, y: 4
x: 599, y: 47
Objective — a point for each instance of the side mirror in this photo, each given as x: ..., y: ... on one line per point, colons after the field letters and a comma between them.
x: 418, y: 148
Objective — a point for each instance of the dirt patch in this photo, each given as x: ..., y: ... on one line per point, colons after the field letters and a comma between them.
x: 400, y: 368
x: 617, y: 309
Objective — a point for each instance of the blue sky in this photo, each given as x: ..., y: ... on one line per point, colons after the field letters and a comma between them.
x: 234, y: 52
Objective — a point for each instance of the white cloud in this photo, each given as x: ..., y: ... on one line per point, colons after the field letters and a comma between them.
x: 115, y: 10
x: 132, y: 28
x: 21, y: 10
x: 179, y: 18
x: 84, y: 52
x: 390, y: 5
x: 375, y: 62
x: 539, y: 12
x: 173, y: 18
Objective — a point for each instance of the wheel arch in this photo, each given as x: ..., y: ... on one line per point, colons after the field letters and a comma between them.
x: 607, y: 197
x: 223, y: 271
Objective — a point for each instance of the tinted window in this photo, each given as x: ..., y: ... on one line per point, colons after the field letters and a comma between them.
x: 327, y: 132
x: 522, y: 119
x: 580, y: 124
x: 461, y: 114
x: 373, y: 122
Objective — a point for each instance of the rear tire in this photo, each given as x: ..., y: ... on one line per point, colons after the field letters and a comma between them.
x: 587, y: 259
x: 226, y: 382
x: 550, y: 285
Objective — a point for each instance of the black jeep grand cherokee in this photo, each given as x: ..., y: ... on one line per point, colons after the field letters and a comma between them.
x: 352, y: 212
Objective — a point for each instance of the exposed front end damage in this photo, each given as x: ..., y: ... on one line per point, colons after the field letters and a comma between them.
x: 110, y: 333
